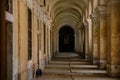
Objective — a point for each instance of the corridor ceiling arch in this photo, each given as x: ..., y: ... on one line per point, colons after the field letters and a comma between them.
x: 68, y: 11
x: 67, y: 17
x: 62, y: 11
x: 60, y: 7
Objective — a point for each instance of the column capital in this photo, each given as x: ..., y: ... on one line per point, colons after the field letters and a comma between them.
x: 85, y: 23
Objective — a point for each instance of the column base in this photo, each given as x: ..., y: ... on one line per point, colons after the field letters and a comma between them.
x: 113, y: 70
x: 15, y: 76
x: 95, y: 60
x: 102, y: 64
x: 87, y: 57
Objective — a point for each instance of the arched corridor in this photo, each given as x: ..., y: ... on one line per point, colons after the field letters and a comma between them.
x: 66, y: 39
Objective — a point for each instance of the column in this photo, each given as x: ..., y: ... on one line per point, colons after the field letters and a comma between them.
x: 113, y: 66
x: 82, y: 41
x: 90, y: 38
x: 103, y: 37
x: 95, y: 21
x: 86, y: 40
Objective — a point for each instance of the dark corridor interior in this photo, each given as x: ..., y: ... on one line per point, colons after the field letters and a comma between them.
x: 66, y: 39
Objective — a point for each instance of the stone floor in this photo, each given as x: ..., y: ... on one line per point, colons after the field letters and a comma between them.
x: 68, y: 66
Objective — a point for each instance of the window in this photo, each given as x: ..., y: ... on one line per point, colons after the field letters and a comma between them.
x: 38, y: 42
x: 9, y: 6
x: 44, y: 38
x: 29, y: 34
x: 44, y: 2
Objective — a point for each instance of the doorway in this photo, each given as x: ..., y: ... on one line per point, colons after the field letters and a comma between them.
x: 66, y: 39
x: 9, y: 50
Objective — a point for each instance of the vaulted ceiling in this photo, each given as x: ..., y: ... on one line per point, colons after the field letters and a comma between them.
x: 64, y: 12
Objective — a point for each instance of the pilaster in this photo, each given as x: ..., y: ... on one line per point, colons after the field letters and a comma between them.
x: 95, y: 21
x: 90, y: 37
x: 113, y: 65
x: 103, y: 37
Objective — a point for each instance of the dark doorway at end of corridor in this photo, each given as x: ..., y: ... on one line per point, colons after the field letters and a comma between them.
x: 66, y: 39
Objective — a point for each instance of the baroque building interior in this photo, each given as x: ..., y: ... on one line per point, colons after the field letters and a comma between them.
x: 66, y: 39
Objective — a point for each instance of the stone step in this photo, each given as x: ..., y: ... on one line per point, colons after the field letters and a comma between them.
x: 88, y: 72
x: 70, y: 59
x: 74, y: 74
x: 66, y: 71
x: 45, y: 78
x: 96, y: 78
x: 56, y: 71
x: 79, y: 63
x: 57, y: 66
x: 70, y: 62
x: 76, y: 78
x: 71, y: 67
x: 84, y: 66
x: 59, y: 62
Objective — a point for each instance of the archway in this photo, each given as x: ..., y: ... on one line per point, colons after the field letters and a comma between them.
x: 66, y: 39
